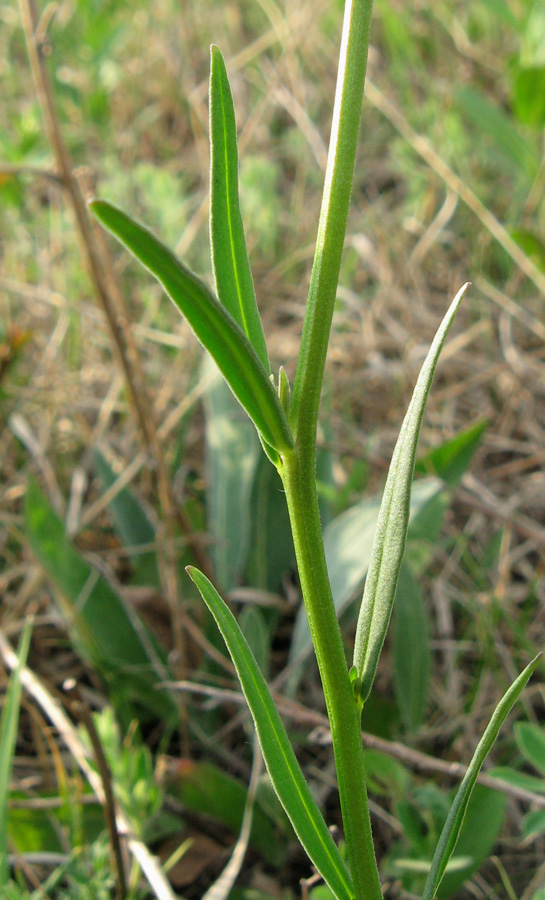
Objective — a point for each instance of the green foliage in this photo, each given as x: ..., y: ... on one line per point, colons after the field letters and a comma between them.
x: 109, y: 635
x: 422, y: 813
x: 132, y: 524
x: 286, y: 775
x: 230, y: 328
x: 251, y: 503
x: 234, y: 283
x: 393, y: 523
x: 8, y: 737
x: 530, y: 740
x: 411, y: 650
x: 232, y: 452
x: 215, y: 328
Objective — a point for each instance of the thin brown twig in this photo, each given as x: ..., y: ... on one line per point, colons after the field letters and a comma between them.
x: 12, y: 169
x: 413, y: 758
x: 82, y: 712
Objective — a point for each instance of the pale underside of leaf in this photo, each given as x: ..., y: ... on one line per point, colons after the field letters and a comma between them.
x: 393, y: 521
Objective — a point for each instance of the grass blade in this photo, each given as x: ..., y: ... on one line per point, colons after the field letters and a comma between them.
x: 284, y: 770
x: 393, y: 521
x: 213, y: 325
x: 232, y: 273
x: 8, y: 736
x: 455, y: 818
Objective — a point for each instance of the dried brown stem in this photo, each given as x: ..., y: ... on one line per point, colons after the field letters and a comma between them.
x: 81, y: 709
x: 415, y: 759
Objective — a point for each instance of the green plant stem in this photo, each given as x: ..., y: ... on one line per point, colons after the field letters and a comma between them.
x: 332, y: 224
x: 298, y: 468
x: 299, y: 482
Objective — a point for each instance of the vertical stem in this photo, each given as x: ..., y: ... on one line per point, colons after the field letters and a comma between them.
x: 298, y: 469
x: 332, y: 224
x: 344, y: 717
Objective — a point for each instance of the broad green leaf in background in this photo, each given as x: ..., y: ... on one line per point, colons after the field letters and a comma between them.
x: 528, y: 241
x: 348, y: 541
x: 393, y: 521
x: 480, y: 831
x: 528, y: 90
x: 108, y: 633
x: 131, y: 524
x: 232, y: 274
x: 253, y: 627
x: 8, y: 737
x: 501, y: 10
x: 452, y: 458
x: 533, y: 824
x: 213, y: 325
x: 271, y: 554
x: 448, y: 461
x: 385, y: 776
x: 449, y: 835
x: 232, y: 452
x: 518, y: 779
x: 202, y: 787
x: 531, y: 743
x: 283, y: 767
x: 422, y: 814
x: 411, y: 650
x: 501, y: 129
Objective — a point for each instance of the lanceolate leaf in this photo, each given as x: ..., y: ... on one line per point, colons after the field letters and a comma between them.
x: 449, y: 835
x: 213, y: 325
x: 284, y: 770
x: 232, y: 274
x: 393, y: 521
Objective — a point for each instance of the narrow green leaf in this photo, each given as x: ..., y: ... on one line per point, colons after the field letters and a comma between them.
x: 213, y: 325
x: 8, y: 737
x: 482, y: 826
x: 348, y: 542
x: 232, y: 273
x: 455, y: 818
x: 393, y: 521
x: 284, y: 770
x: 107, y: 632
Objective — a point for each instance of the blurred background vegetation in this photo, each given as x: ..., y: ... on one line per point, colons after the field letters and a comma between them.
x: 110, y: 486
